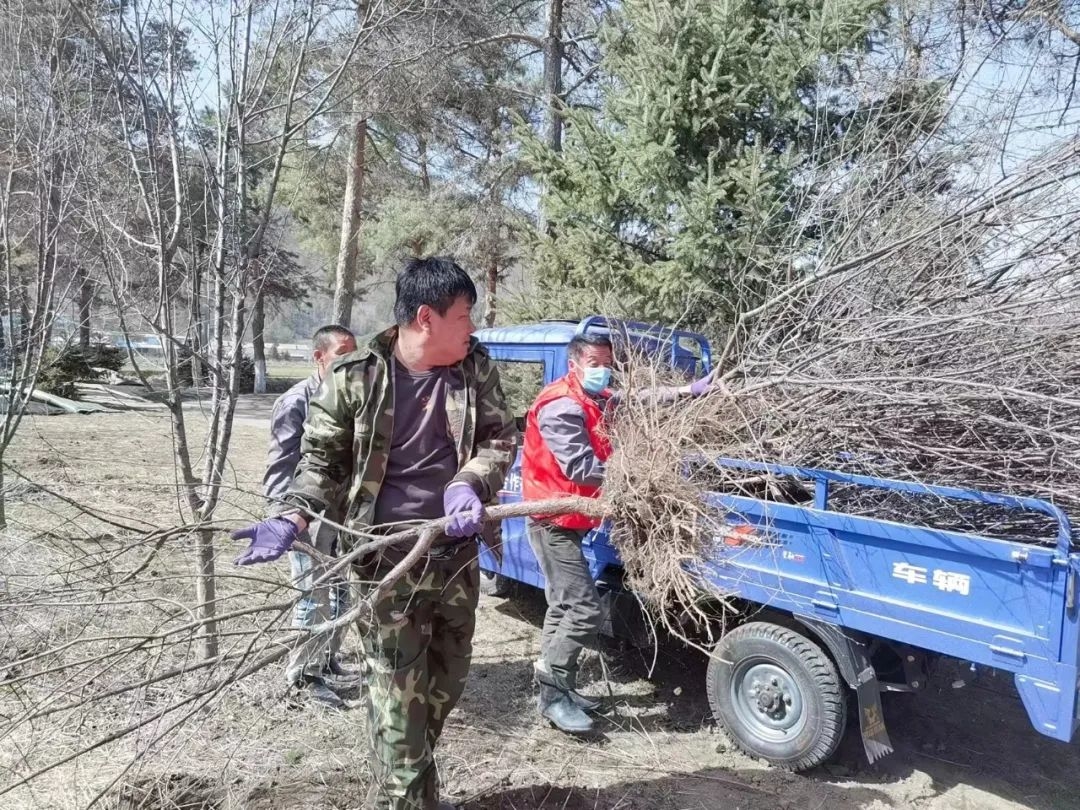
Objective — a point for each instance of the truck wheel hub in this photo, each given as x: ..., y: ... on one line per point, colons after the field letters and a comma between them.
x: 767, y: 699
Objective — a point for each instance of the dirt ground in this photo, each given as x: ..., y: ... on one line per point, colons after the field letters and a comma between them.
x: 965, y: 742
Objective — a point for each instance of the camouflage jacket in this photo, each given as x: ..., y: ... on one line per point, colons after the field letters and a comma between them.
x: 350, y: 425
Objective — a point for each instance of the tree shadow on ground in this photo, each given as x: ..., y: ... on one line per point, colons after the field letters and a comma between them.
x: 964, y: 729
x: 710, y: 789
x: 658, y: 687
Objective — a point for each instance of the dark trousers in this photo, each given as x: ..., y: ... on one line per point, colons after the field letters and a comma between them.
x: 574, y: 612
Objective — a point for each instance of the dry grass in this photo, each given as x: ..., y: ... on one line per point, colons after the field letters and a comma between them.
x: 96, y: 607
x: 250, y: 748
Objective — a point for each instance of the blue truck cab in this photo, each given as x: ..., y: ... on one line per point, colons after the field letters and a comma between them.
x: 531, y: 356
x: 840, y: 605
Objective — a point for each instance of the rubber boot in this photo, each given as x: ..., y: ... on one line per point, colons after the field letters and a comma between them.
x: 556, y: 705
x: 586, y: 704
x: 319, y: 691
x: 338, y: 677
x: 338, y: 670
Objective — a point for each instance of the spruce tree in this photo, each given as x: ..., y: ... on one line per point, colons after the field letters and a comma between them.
x: 671, y: 197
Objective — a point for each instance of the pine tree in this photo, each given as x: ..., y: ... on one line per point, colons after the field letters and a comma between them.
x: 674, y: 194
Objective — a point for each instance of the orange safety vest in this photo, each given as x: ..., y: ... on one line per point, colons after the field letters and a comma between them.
x: 541, y: 475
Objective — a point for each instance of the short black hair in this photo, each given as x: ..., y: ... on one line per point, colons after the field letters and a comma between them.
x: 436, y: 282
x: 579, y: 343
x: 321, y: 339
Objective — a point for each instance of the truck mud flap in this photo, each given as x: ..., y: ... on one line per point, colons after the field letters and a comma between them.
x: 875, y: 737
x: 852, y: 658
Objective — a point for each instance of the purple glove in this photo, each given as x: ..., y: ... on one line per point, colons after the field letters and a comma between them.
x: 269, y: 538
x: 462, y: 505
x: 702, y: 386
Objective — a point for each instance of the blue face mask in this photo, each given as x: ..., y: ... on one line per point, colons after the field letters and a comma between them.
x: 596, y: 379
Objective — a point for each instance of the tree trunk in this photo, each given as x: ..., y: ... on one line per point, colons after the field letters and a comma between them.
x: 86, y: 302
x: 7, y: 327
x: 205, y: 593
x: 258, y: 344
x: 41, y: 323
x: 216, y: 355
x: 553, y: 59
x: 491, y: 291
x: 422, y: 158
x: 3, y: 496
x: 348, y: 253
x: 198, y: 335
x: 22, y: 342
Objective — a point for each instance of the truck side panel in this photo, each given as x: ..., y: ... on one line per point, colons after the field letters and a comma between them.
x: 989, y: 601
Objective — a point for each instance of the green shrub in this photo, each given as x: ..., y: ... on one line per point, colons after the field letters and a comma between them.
x: 102, y: 355
x: 62, y: 368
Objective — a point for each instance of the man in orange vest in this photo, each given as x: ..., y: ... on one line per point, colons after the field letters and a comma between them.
x: 564, y: 452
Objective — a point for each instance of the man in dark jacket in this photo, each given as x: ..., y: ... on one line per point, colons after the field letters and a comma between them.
x: 315, y: 657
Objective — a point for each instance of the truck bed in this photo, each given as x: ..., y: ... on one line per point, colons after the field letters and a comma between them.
x: 1001, y: 603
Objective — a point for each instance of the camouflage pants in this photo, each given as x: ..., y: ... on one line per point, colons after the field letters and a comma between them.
x: 417, y: 660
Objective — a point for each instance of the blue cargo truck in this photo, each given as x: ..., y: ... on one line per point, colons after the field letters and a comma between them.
x: 835, y: 602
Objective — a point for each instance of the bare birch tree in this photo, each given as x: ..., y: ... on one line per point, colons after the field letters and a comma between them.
x: 926, y: 326
x: 40, y: 167
x: 231, y: 119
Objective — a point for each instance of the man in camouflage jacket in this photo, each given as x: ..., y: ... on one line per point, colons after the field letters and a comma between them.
x: 412, y: 426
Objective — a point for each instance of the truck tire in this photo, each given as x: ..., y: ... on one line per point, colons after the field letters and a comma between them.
x: 778, y: 695
x: 495, y: 584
